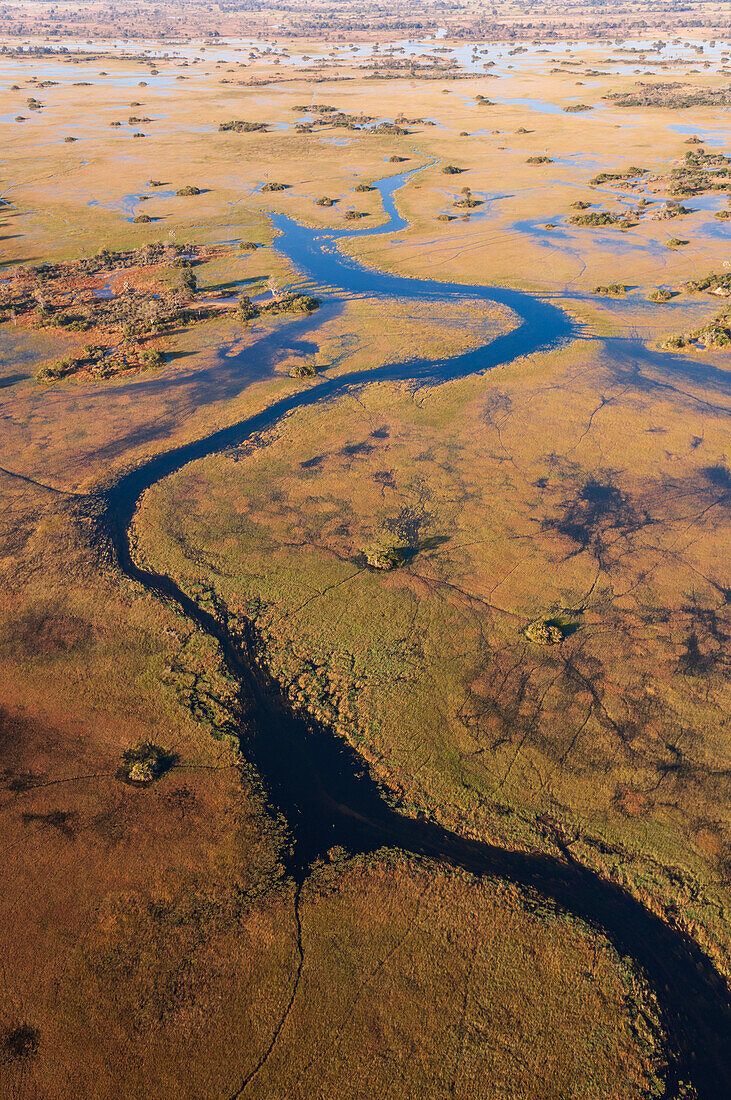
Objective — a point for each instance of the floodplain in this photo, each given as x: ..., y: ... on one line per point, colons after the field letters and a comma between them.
x: 378, y: 417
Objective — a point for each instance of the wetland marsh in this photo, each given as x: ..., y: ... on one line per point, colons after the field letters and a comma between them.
x: 279, y: 820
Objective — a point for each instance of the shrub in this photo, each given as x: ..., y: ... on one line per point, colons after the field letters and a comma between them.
x: 183, y: 192
x: 152, y: 358
x: 539, y: 160
x: 141, y: 219
x: 675, y: 242
x: 361, y: 188
x: 660, y: 295
x: 275, y: 187
x: 324, y: 201
x: 353, y: 215
x: 574, y: 107
x: 68, y: 140
x: 452, y: 170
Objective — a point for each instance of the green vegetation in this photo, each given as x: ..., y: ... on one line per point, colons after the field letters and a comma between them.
x: 274, y: 187
x: 676, y: 242
x: 660, y: 295
x: 190, y: 189
x: 539, y: 160
x: 576, y: 107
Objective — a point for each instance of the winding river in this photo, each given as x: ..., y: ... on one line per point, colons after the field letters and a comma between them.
x: 320, y: 784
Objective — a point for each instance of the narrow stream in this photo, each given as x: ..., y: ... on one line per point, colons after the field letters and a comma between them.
x: 319, y: 783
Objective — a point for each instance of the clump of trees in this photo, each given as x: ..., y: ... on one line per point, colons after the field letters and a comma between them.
x: 289, y: 302
x: 596, y: 218
x: 700, y: 172
x: 468, y: 200
x: 715, y: 334
x: 185, y: 192
x: 631, y: 173
x: 238, y: 127
x: 144, y: 763
x: 574, y: 108
x: 611, y: 290
x: 712, y: 283
x: 660, y: 295
x: 672, y: 95
x: 544, y: 632
x: 452, y: 170
x: 325, y: 201
x: 274, y: 187
x: 361, y: 188
x: 306, y: 370
x: 539, y: 160
x: 383, y: 555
